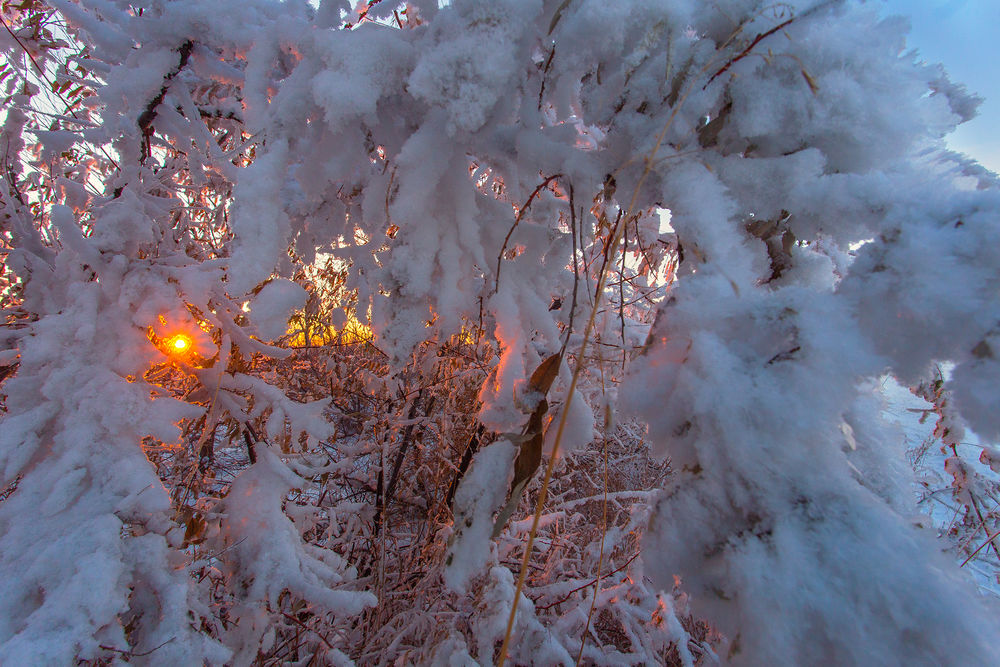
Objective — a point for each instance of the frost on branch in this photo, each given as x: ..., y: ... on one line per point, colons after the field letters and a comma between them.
x: 477, y: 188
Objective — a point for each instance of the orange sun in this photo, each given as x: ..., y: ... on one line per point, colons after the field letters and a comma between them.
x: 180, y: 343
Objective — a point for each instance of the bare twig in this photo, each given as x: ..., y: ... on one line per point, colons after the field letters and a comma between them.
x: 45, y: 78
x: 590, y: 583
x: 148, y: 115
x: 989, y: 540
x: 130, y: 654
x: 576, y: 272
x: 745, y: 52
x: 25, y: 49
x: 520, y: 215
x: 545, y: 71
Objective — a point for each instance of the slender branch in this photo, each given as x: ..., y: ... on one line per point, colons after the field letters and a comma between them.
x: 148, y: 115
x: 764, y: 35
x: 250, y: 439
x: 25, y: 49
x: 989, y: 540
x: 621, y: 295
x: 130, y: 654
x: 576, y: 272
x: 517, y: 221
x: 590, y: 583
x: 545, y: 72
x: 745, y: 52
x: 982, y: 522
x: 45, y: 78
x: 401, y: 454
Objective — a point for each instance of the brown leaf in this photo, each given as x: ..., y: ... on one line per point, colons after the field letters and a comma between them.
x: 195, y: 527
x: 529, y: 453
x: 543, y: 377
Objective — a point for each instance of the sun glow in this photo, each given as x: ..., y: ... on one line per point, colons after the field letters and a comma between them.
x: 180, y: 343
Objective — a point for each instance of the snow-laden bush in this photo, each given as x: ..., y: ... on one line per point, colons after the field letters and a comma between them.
x: 582, y: 232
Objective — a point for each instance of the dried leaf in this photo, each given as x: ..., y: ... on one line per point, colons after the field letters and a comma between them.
x: 543, y: 377
x: 195, y: 527
x: 529, y: 454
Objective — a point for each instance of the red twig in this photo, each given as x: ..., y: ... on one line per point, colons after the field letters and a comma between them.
x: 989, y: 540
x: 743, y: 54
x: 364, y: 15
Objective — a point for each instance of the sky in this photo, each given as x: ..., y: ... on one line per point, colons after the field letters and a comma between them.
x: 963, y: 35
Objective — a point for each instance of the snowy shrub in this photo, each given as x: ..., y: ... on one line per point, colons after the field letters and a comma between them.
x: 540, y: 331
